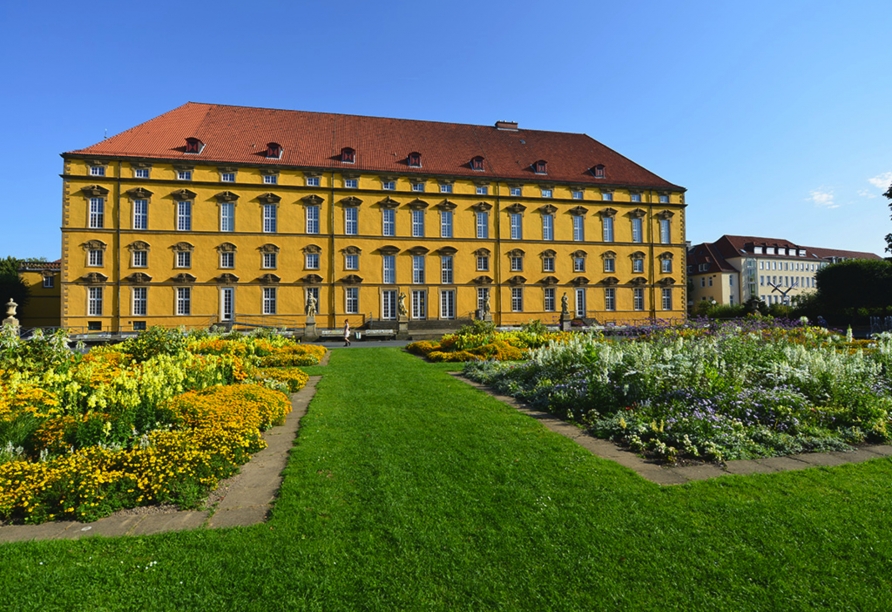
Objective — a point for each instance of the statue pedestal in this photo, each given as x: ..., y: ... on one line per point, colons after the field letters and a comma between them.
x: 565, y: 321
x: 10, y: 320
x: 487, y: 317
x: 402, y: 331
x: 310, y: 329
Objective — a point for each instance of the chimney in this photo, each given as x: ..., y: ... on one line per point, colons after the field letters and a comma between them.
x: 510, y: 126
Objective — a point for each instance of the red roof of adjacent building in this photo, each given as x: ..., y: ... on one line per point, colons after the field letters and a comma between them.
x: 38, y: 266
x: 706, y: 253
x: 239, y: 135
x: 728, y: 247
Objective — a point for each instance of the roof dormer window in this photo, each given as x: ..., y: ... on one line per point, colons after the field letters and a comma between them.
x: 348, y: 155
x: 194, y: 145
x: 477, y: 163
x: 414, y: 159
x: 540, y: 167
x: 598, y: 171
x: 274, y: 150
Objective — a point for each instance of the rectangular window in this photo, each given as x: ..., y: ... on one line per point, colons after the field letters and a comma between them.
x: 388, y: 185
x: 138, y: 303
x: 314, y: 293
x: 97, y: 170
x: 419, y: 304
x: 94, y: 301
x: 351, y: 221
x: 549, y: 299
x: 635, y: 197
x: 141, y: 173
x: 607, y: 196
x: 445, y: 188
x: 227, y: 177
x: 184, y: 216
x: 269, y: 300
x: 48, y: 282
x: 637, y: 231
x: 482, y: 224
x: 227, y: 216
x: 227, y: 259
x: 351, y: 298
x: 269, y: 218
x: 97, y: 212
x: 482, y: 298
x: 547, y: 193
x: 270, y: 179
x: 447, y: 304
x: 516, y: 226
x: 516, y: 263
x: 269, y: 261
x: 312, y: 181
x: 184, y: 259
x: 184, y: 175
x: 389, y: 262
x: 311, y: 261
x: 446, y: 276
x: 139, y: 259
x: 516, y: 192
x: 227, y: 303
x: 638, y: 298
x: 577, y: 195
x: 446, y: 224
x: 388, y: 222
x: 483, y: 263
x: 418, y: 187
x: 667, y: 298
x: 578, y: 228
x: 418, y: 269
x: 547, y: 227
x: 664, y: 199
x: 482, y: 190
x: 609, y: 298
x: 666, y: 266
x: 516, y: 299
x: 581, y: 309
x: 548, y: 264
x: 351, y: 183
x: 351, y: 261
x: 607, y: 223
x: 579, y: 264
x: 418, y: 224
x: 312, y: 213
x: 94, y: 257
x: 638, y: 265
x: 388, y: 305
x: 140, y: 214
x: 184, y: 301
x: 665, y: 237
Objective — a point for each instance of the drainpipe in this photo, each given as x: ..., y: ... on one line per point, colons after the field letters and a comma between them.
x: 332, y: 322
x: 497, y: 267
x: 116, y: 324
x: 652, y: 261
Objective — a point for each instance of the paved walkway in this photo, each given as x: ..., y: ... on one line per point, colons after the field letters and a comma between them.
x: 246, y: 498
x: 668, y: 475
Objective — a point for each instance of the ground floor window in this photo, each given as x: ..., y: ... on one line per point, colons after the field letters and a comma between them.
x: 139, y: 303
x: 638, y: 298
x: 184, y: 300
x: 94, y: 301
x: 447, y: 304
x: 517, y: 299
x: 352, y: 300
x: 482, y: 301
x: 388, y: 305
x: 312, y: 292
x: 549, y: 299
x: 269, y: 300
x: 419, y: 304
x: 667, y: 299
x: 580, y: 302
x: 609, y: 298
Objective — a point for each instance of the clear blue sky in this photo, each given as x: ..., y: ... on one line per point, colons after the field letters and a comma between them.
x: 776, y: 115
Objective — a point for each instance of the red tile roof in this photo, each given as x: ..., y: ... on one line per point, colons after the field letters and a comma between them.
x: 737, y: 246
x: 38, y: 266
x: 706, y: 253
x: 239, y: 135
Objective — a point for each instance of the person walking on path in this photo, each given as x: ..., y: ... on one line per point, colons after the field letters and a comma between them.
x: 346, y: 332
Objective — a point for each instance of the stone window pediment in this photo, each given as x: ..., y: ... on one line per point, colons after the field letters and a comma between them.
x: 181, y: 247
x: 549, y: 280
x: 184, y: 277
x: 312, y: 200
x: 184, y: 167
x: 312, y: 279
x: 94, y: 278
x: 388, y: 202
x: 516, y: 208
x: 351, y: 202
x: 138, y: 278
x: 417, y: 204
x: 666, y: 214
x: 608, y: 212
x: 95, y: 191
x: 227, y: 247
x: 94, y: 245
x: 312, y: 248
x: 548, y: 253
x: 581, y: 253
x: 447, y: 250
x: 517, y: 280
x: 388, y: 250
x: 269, y: 278
x: 578, y: 211
x: 227, y: 278
x: 139, y: 193
x: 352, y: 250
x: 666, y: 255
x: 226, y: 196
x: 638, y: 281
x: 351, y: 279
x: 482, y: 280
x: 447, y: 205
x: 181, y: 195
x: 482, y: 206
x: 581, y: 280
x: 637, y: 213
x: 666, y: 281
x: 268, y: 248
x: 419, y: 250
x: 482, y: 252
x: 515, y: 253
x: 138, y: 245
x: 269, y: 198
x: 609, y: 280
x: 604, y: 255
x: 548, y: 209
x: 637, y: 255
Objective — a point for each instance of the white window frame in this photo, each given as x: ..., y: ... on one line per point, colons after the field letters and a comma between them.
x: 97, y: 170
x: 638, y: 298
x: 140, y: 214
x: 445, y: 224
x: 184, y: 175
x: 388, y: 185
x: 482, y: 190
x: 269, y: 300
x: 227, y: 216
x: 351, y: 221
x: 547, y: 227
x: 184, y: 216
x: 97, y: 213
x: 311, y: 261
x: 139, y: 301
x: 351, y: 261
x: 227, y: 260
x: 227, y: 177
x: 447, y: 276
x: 482, y: 219
x: 417, y: 269
x: 667, y: 298
x: 388, y: 264
x: 516, y: 192
x: 578, y: 228
x: 419, y: 304
x: 516, y: 263
x: 313, y: 181
x: 388, y: 222
x: 637, y: 230
x: 418, y: 187
x: 610, y: 299
x: 607, y: 234
x: 141, y: 173
x: 183, y: 301
x: 548, y: 264
x: 351, y: 183
x: 638, y: 265
x: 270, y: 179
x: 94, y: 301
x: 311, y: 213
x: 516, y: 226
x: 516, y: 299
x: 447, y: 304
x: 183, y: 259
x: 483, y: 263
x: 139, y: 259
x: 95, y: 258
x: 418, y: 223
x: 270, y: 218
x: 351, y: 300
x: 666, y: 266
x: 389, y: 307
x: 445, y: 188
x: 665, y: 231
x: 549, y: 302
x: 269, y: 261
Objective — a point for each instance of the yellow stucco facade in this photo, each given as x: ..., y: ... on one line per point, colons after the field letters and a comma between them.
x: 148, y: 242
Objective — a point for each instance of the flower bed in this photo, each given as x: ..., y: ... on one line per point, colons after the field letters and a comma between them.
x: 481, y: 342
x: 159, y: 418
x: 719, y: 392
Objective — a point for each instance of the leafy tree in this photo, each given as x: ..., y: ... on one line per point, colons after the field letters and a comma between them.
x: 888, y: 194
x: 11, y: 286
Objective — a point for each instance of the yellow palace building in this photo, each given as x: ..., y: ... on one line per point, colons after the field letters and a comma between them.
x: 214, y: 214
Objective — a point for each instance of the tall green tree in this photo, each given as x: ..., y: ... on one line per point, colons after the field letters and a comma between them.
x: 888, y: 194
x: 11, y: 286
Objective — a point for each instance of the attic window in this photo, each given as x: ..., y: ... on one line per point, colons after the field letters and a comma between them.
x: 193, y: 145
x: 598, y: 171
x: 414, y: 160
x: 348, y: 155
x: 477, y: 163
x: 540, y: 167
x: 274, y: 150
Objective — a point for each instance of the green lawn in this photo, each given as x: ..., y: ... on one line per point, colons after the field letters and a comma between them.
x: 408, y: 490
